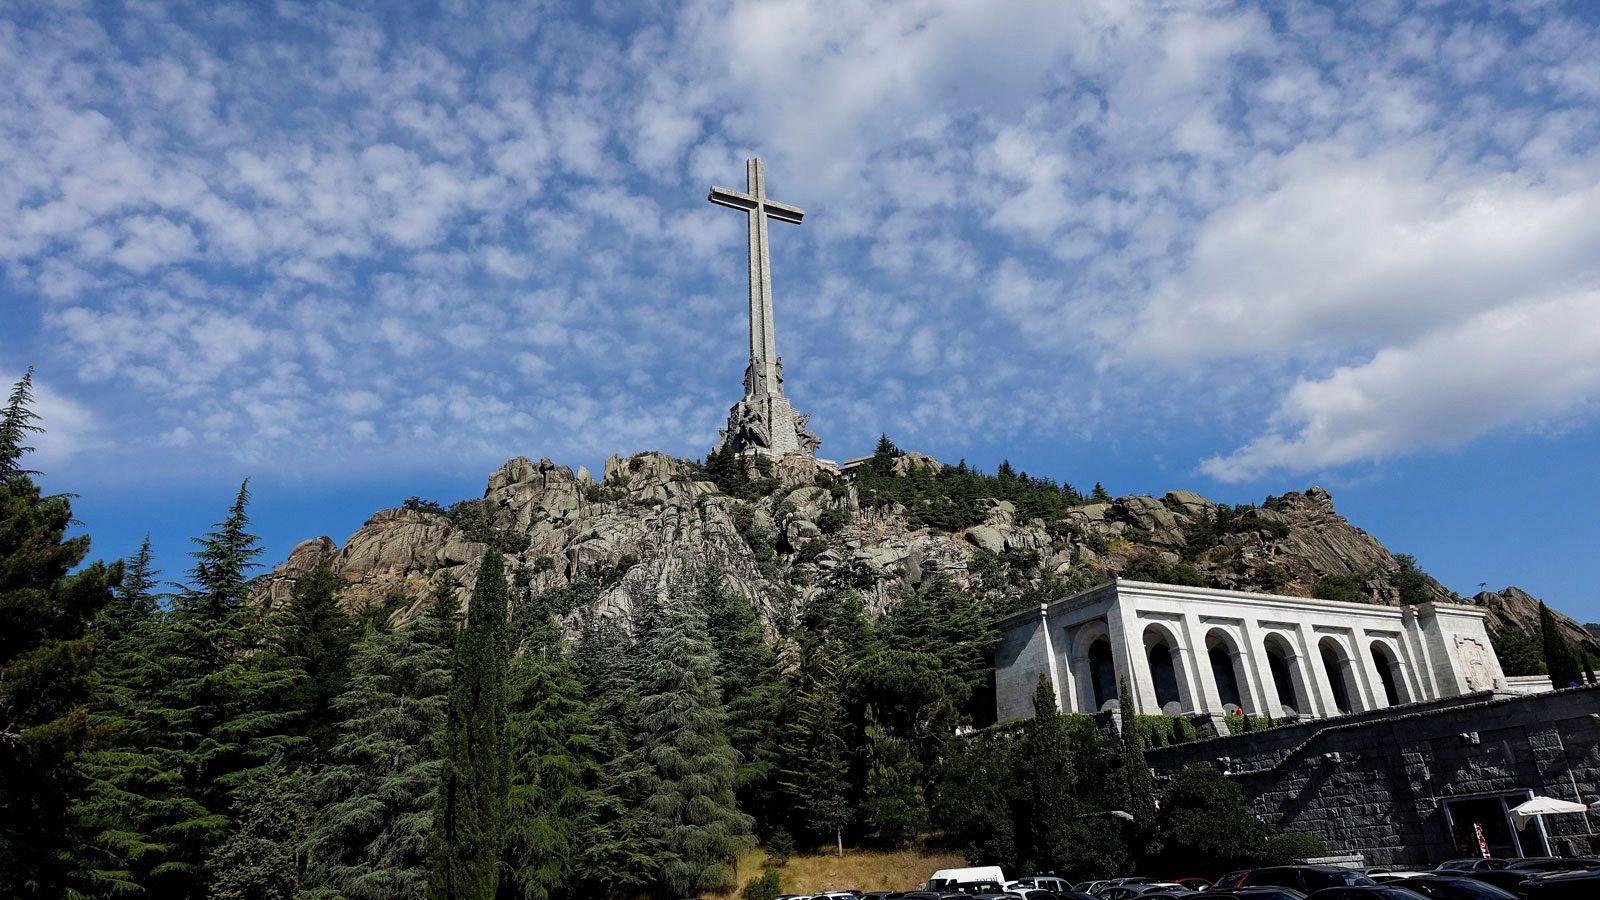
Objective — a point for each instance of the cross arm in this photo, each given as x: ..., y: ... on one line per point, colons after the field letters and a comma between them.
x: 783, y: 212
x: 739, y: 200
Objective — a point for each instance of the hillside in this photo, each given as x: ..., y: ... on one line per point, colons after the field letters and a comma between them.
x: 791, y: 529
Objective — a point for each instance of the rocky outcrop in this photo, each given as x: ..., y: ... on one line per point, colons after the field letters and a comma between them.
x: 651, y: 516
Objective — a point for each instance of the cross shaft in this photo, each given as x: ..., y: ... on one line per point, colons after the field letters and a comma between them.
x: 763, y: 377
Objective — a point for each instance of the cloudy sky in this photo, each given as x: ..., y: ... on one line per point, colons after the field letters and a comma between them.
x: 360, y: 254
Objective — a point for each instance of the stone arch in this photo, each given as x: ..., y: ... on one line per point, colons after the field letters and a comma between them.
x: 1340, y: 672
x: 1391, y: 673
x: 1289, y: 687
x: 1168, y: 680
x: 1095, y: 667
x: 1227, y: 670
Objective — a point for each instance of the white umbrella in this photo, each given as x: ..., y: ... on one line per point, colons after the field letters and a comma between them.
x: 1543, y: 806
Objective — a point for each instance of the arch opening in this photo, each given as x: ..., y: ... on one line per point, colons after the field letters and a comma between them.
x: 1103, y: 674
x: 1390, y: 674
x: 1336, y: 663
x: 1285, y: 683
x: 1227, y: 670
x: 1164, y: 677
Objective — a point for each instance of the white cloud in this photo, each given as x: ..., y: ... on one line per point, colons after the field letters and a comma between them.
x: 1520, y: 366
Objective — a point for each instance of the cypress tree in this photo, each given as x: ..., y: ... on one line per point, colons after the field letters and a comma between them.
x: 553, y: 768
x: 46, y: 665
x: 1139, y: 785
x: 1050, y: 776
x: 375, y: 797
x: 315, y: 637
x: 1559, y: 657
x: 690, y: 766
x: 470, y: 822
x: 751, y: 686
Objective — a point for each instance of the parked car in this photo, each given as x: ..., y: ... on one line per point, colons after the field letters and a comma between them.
x: 1230, y: 880
x: 1555, y: 864
x: 1155, y: 889
x: 1471, y: 864
x: 1568, y: 886
x: 1306, y: 879
x: 1455, y: 887
x: 1263, y: 892
x: 1052, y: 883
x: 1194, y: 882
x: 1366, y: 892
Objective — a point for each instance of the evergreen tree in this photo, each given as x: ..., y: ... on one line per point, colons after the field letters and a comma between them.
x: 260, y: 859
x: 752, y: 692
x: 691, y: 767
x: 554, y: 769
x: 470, y: 822
x: 214, y: 711
x: 892, y: 807
x: 816, y: 773
x: 1559, y: 656
x: 376, y: 795
x: 315, y: 637
x: 1205, y: 823
x: 1048, y: 771
x: 46, y: 664
x: 1140, y: 787
x: 1100, y: 494
x: 1410, y: 580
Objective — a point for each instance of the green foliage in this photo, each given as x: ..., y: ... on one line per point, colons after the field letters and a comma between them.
x: 1149, y: 567
x: 765, y: 886
x: 833, y: 520
x: 892, y: 809
x: 734, y: 474
x: 417, y: 504
x: 260, y: 858
x: 469, y: 828
x: 315, y: 637
x: 752, y: 692
x: 763, y: 545
x: 1270, y: 577
x: 46, y: 665
x: 974, y: 800
x: 1244, y: 724
x: 1560, y: 657
x: 956, y: 497
x: 553, y: 769
x: 691, y: 767
x: 816, y: 752
x: 1292, y: 847
x: 1051, y: 826
x: 1137, y: 782
x: 1204, y: 824
x: 214, y: 705
x: 1341, y: 588
x: 1520, y: 653
x: 1411, y: 581
x: 375, y: 794
x: 1164, y: 731
x: 475, y: 518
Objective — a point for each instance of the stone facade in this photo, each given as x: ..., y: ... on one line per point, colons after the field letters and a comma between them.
x: 1201, y: 651
x: 1411, y: 786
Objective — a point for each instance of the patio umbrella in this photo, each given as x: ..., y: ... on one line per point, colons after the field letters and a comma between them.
x: 1542, y: 806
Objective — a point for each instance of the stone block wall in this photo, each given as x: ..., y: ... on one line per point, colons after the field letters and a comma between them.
x: 1376, y: 784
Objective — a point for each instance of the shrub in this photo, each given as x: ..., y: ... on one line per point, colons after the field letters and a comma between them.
x: 780, y: 846
x: 763, y: 887
x: 1339, y: 587
x: 1292, y: 847
x: 832, y: 519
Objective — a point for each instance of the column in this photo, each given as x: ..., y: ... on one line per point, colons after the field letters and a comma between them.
x: 1364, y: 662
x: 1261, y: 693
x: 1318, y: 691
x: 1050, y: 653
x: 1199, y: 656
x: 1135, y: 662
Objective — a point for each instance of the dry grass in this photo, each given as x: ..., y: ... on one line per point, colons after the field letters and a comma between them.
x: 865, y: 870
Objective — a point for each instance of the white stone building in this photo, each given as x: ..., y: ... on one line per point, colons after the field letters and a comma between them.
x: 1201, y: 651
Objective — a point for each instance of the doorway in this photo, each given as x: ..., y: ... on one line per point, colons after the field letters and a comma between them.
x: 1491, y: 814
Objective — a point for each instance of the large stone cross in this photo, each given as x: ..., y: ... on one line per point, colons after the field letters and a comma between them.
x: 763, y: 421
x: 763, y: 376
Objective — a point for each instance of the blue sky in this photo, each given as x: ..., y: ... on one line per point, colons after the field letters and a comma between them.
x: 363, y: 253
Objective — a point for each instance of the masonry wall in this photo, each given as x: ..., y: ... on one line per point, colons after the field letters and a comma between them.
x: 1375, y: 784
x: 1019, y: 659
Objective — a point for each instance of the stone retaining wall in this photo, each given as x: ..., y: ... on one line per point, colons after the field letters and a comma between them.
x: 1377, y: 784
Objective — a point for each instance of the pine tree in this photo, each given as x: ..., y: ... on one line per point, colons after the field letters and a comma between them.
x: 751, y: 688
x: 816, y: 756
x: 1139, y: 785
x: 1559, y: 656
x: 690, y: 764
x: 46, y: 665
x: 315, y: 637
x: 470, y: 821
x: 260, y: 859
x: 1049, y: 773
x: 214, y: 711
x: 376, y: 794
x: 1100, y: 494
x: 554, y: 768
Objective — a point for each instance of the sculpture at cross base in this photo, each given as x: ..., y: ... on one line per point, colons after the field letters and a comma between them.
x: 763, y: 421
